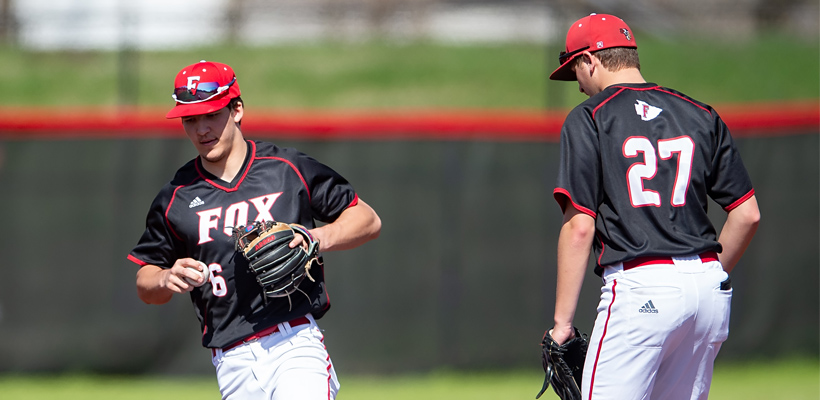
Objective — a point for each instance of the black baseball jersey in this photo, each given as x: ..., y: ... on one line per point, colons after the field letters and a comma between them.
x: 642, y: 159
x: 193, y: 216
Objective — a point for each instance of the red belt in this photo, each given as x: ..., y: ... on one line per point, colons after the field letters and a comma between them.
x: 266, y: 332
x: 652, y: 260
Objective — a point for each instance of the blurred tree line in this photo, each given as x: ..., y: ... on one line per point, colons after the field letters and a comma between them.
x: 411, y: 19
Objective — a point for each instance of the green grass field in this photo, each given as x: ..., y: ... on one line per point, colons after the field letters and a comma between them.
x: 793, y: 380
x: 409, y: 75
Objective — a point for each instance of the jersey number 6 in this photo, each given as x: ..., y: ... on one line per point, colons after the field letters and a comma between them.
x: 218, y: 284
x: 638, y: 172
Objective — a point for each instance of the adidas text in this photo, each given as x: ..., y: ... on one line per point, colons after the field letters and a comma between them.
x: 648, y: 308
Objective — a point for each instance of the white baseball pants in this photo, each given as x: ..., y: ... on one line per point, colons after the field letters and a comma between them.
x: 658, y: 331
x: 291, y: 363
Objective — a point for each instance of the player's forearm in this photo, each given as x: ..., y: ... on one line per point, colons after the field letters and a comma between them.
x: 741, y: 225
x: 356, y: 226
x: 574, y: 244
x: 149, y: 288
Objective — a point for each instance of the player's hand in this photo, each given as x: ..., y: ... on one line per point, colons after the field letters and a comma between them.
x: 298, y: 240
x: 173, y: 278
x: 562, y: 334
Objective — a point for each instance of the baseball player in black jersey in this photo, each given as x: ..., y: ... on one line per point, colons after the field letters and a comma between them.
x: 267, y: 348
x: 638, y: 164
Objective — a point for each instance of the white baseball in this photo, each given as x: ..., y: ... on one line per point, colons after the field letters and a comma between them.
x: 205, y: 275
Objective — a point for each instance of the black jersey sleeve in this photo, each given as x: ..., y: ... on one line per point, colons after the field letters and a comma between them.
x: 330, y: 193
x: 579, y: 171
x: 728, y: 183
x: 159, y: 244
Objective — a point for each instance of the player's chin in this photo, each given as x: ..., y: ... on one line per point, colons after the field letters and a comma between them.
x: 211, y: 154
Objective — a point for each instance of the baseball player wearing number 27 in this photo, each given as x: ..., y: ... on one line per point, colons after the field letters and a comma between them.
x: 262, y: 346
x: 638, y: 163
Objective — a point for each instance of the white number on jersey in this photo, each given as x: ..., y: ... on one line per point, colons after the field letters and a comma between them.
x: 638, y: 172
x: 218, y: 284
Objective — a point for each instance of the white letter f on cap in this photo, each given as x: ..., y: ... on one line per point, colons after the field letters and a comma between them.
x: 192, y: 82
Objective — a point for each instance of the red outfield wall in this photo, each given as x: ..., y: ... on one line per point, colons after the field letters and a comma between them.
x: 769, y: 119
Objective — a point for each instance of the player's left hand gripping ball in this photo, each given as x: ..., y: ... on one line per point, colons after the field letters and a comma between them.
x: 278, y: 268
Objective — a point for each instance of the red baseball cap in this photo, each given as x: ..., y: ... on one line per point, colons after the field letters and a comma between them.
x: 203, y: 88
x: 593, y: 32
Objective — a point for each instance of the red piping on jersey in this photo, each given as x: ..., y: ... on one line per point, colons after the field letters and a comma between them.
x: 740, y: 201
x: 658, y: 88
x: 137, y: 261
x: 242, y: 178
x: 299, y: 174
x: 327, y: 292
x: 355, y: 201
x: 580, y: 208
x: 167, y: 210
x: 683, y: 98
x: 173, y: 197
x: 603, y: 248
x: 205, y: 322
x: 601, y: 342
x: 594, y: 110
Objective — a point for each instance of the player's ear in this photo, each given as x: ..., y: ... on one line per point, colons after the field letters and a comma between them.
x: 238, y: 111
x: 586, y: 58
x: 589, y: 61
x: 580, y: 62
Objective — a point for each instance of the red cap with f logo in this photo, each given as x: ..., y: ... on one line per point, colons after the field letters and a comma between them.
x: 593, y: 32
x: 203, y: 88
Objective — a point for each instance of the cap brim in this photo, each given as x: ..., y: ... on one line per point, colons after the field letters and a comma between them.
x: 564, y: 72
x: 186, y: 110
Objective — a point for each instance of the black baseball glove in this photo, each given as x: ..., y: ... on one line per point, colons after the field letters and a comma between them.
x: 278, y: 268
x: 564, y: 365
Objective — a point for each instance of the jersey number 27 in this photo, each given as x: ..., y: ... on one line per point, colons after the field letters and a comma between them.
x: 684, y: 146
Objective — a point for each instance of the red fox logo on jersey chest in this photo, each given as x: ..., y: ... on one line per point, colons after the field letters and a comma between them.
x: 234, y: 215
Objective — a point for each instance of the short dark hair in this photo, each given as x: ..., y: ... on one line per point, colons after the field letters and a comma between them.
x: 616, y: 58
x: 235, y: 100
